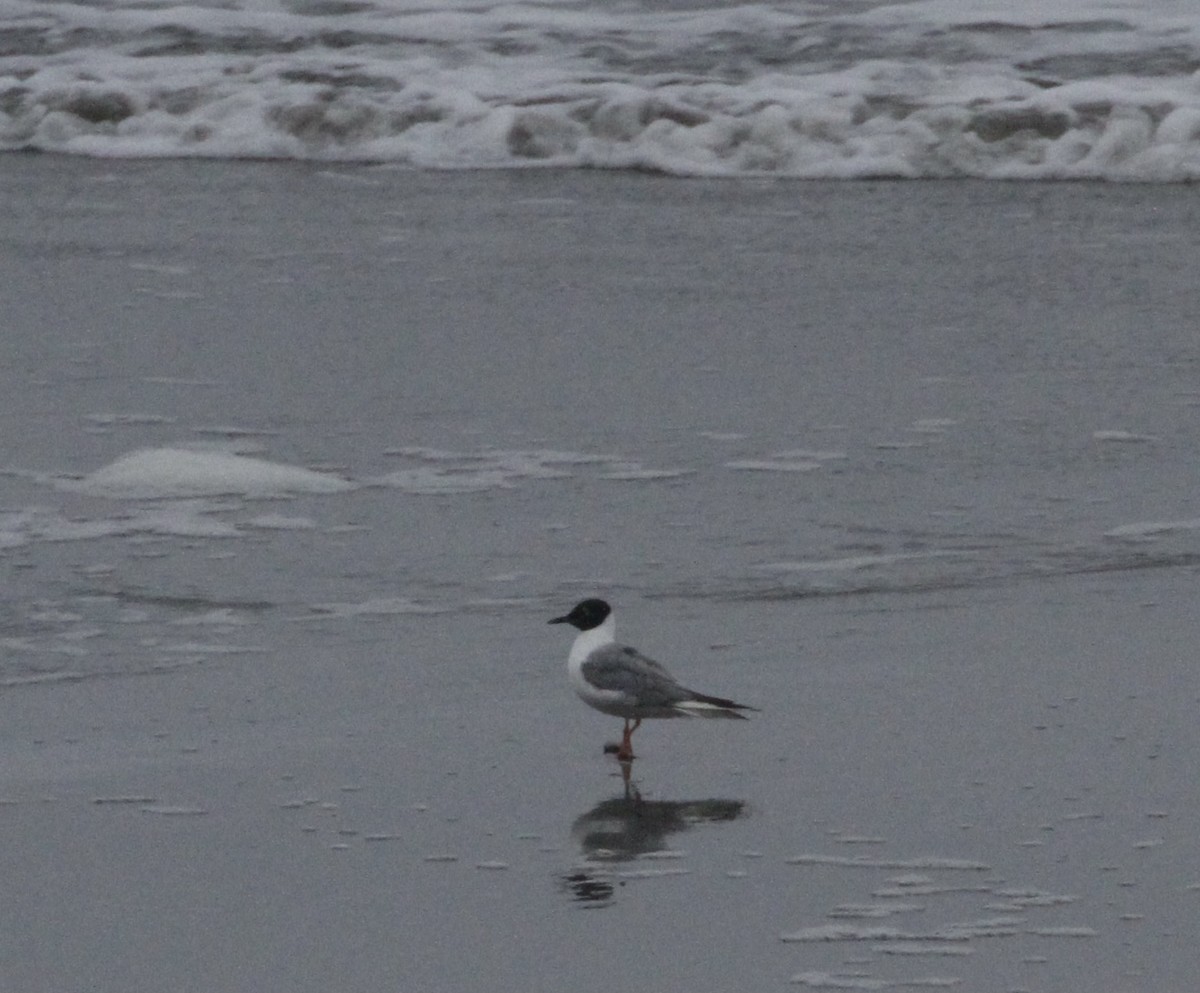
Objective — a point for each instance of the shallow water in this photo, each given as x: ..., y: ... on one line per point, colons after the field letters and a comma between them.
x: 908, y: 466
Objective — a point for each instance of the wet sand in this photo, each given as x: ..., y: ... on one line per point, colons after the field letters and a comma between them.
x: 910, y: 466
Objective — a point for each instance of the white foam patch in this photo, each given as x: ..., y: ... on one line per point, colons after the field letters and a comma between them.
x: 425, y: 481
x: 773, y: 465
x: 637, y: 474
x: 173, y: 810
x: 921, y: 948
x: 1146, y: 530
x: 933, y: 425
x: 792, y: 460
x: 1082, y: 89
x: 184, y: 519
x: 188, y: 522
x: 218, y: 617
x: 378, y: 607
x: 448, y: 472
x: 534, y: 461
x: 992, y: 927
x: 815, y: 979
x: 1022, y: 898
x: 650, y: 873
x: 867, y: 862
x: 37, y: 678
x: 181, y: 381
x: 870, y: 911
x: 849, y: 932
x: 127, y: 420
x: 208, y: 648
x: 1123, y: 437
x: 280, y: 522
x: 1065, y: 931
x: 235, y: 431
x: 928, y: 889
x: 175, y: 472
x: 851, y: 563
x: 815, y: 454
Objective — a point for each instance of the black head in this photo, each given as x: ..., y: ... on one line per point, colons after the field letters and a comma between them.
x: 586, y: 614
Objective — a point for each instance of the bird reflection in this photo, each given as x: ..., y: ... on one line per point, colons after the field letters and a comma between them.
x: 624, y: 827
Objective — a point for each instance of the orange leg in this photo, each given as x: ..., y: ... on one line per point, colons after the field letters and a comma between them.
x: 625, y: 752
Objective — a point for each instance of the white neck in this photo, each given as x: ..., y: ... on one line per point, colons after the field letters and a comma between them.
x: 587, y: 642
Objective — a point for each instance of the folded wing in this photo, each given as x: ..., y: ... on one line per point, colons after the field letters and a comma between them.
x: 649, y: 687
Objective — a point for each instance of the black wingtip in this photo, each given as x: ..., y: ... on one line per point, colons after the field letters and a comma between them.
x: 727, y: 705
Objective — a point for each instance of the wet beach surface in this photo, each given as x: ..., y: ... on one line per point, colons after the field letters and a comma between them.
x: 909, y: 466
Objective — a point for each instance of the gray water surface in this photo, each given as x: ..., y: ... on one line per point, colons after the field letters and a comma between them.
x: 911, y: 467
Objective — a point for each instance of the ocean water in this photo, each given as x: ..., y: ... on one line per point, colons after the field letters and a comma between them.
x: 811, y: 424
x: 1030, y: 89
x: 300, y: 457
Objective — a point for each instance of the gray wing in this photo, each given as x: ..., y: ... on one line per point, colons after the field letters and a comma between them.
x: 619, y: 667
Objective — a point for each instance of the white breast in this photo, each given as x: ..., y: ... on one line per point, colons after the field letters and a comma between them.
x: 585, y: 643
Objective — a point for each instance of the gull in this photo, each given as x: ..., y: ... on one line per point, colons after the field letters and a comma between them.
x: 621, y: 681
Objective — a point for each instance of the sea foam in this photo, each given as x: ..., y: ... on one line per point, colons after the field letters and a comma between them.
x: 175, y: 472
x: 1059, y: 89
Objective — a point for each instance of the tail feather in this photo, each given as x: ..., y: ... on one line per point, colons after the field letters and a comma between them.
x: 712, y: 706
